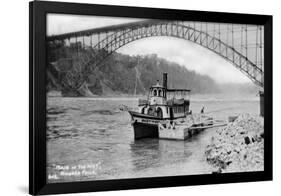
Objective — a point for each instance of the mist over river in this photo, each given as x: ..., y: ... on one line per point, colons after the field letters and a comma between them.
x: 92, y: 139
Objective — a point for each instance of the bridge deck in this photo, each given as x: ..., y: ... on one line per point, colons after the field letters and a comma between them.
x: 89, y: 32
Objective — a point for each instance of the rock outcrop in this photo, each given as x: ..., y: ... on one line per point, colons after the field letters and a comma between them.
x: 238, y: 147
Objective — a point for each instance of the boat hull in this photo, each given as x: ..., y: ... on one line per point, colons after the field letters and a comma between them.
x: 145, y: 126
x: 143, y: 130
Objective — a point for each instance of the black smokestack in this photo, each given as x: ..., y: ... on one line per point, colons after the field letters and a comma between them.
x: 165, y: 80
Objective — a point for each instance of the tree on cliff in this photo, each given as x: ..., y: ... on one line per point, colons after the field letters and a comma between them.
x: 121, y: 73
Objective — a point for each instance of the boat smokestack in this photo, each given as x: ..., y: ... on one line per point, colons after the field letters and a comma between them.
x: 165, y: 82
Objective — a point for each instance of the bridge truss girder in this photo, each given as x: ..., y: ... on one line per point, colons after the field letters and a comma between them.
x: 75, y: 77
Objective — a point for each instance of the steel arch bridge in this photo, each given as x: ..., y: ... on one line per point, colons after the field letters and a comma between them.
x: 241, y: 45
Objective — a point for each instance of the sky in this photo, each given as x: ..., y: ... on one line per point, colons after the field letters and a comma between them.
x: 185, y: 53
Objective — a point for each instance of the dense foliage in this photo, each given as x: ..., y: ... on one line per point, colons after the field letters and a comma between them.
x: 135, y: 74
x: 124, y: 74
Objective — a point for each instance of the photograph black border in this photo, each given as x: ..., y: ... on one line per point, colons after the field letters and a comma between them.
x: 37, y: 97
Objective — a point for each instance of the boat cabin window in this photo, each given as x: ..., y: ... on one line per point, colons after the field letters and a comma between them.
x: 178, y: 94
x: 154, y: 92
x: 171, y: 113
x: 159, y: 113
x: 150, y: 112
x: 159, y: 93
x: 178, y: 109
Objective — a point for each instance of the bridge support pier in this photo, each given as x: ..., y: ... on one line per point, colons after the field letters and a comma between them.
x: 261, y: 93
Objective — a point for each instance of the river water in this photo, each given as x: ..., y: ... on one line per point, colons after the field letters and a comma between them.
x: 92, y: 139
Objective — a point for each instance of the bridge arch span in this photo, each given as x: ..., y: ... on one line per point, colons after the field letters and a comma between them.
x: 122, y: 37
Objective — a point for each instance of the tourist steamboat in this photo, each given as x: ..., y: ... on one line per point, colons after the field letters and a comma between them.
x: 162, y: 109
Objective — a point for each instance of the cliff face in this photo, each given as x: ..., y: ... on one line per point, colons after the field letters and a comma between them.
x: 124, y: 74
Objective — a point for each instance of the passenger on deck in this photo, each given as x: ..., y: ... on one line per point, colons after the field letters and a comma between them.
x: 202, y: 110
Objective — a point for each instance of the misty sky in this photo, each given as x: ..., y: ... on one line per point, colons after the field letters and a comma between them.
x: 186, y: 53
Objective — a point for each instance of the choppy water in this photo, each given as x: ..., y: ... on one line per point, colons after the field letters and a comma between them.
x: 92, y: 139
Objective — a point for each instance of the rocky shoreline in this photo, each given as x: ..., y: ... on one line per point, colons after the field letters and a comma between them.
x: 238, y: 147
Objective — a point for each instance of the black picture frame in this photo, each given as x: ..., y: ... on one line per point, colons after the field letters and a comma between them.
x: 37, y: 99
